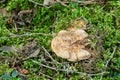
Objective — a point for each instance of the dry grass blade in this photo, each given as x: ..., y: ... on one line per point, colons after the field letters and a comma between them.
x: 106, y: 65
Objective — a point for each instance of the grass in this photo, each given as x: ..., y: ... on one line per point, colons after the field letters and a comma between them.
x: 52, y: 20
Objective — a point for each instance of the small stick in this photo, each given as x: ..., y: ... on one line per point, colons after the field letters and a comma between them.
x: 2, y: 1
x: 38, y: 3
x: 44, y: 65
x: 65, y: 70
x: 49, y: 55
x: 46, y: 75
x: 26, y: 34
x: 84, y: 2
x: 106, y: 65
x: 62, y: 3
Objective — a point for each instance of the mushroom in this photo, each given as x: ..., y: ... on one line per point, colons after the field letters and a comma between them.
x: 67, y: 45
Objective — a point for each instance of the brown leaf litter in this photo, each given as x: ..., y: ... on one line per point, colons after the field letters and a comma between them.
x: 29, y: 51
x: 18, y: 17
x: 3, y: 11
x: 21, y: 17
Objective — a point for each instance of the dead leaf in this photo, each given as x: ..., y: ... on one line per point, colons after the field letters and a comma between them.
x: 23, y: 71
x: 73, y: 10
x: 3, y: 11
x: 34, y: 54
x: 48, y: 2
x: 24, y: 12
x: 6, y: 48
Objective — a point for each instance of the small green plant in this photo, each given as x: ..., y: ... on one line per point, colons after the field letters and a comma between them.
x: 12, y: 76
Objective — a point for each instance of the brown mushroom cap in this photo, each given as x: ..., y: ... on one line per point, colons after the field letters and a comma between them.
x: 65, y: 45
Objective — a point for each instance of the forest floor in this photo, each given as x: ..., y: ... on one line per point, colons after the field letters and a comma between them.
x: 27, y: 28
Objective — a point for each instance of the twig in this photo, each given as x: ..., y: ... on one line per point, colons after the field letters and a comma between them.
x: 49, y: 62
x: 106, y: 65
x: 44, y: 65
x: 21, y: 29
x: 111, y: 56
x: 2, y: 1
x: 62, y: 3
x: 49, y: 55
x: 46, y: 75
x: 26, y: 34
x: 56, y: 68
x: 84, y: 2
x: 65, y: 70
x: 38, y: 3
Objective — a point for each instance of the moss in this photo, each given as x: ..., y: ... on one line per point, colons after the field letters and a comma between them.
x: 52, y: 20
